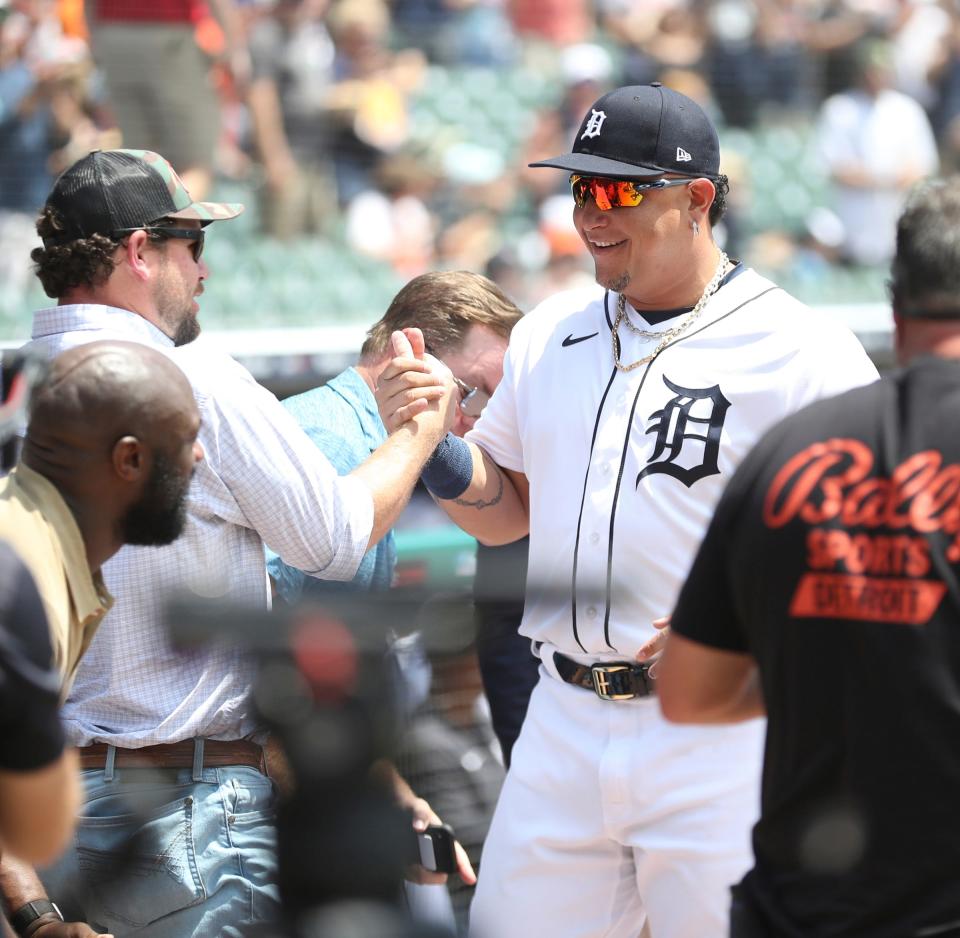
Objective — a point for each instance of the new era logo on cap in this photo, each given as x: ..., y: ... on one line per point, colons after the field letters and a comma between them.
x: 641, y: 131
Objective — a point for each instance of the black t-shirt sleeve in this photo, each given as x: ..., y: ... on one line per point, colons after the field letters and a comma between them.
x: 29, y: 685
x: 707, y: 609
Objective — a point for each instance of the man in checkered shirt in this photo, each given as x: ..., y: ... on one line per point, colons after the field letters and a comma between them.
x: 122, y: 243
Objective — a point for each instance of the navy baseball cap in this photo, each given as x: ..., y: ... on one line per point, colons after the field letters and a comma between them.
x: 641, y: 131
x: 110, y: 190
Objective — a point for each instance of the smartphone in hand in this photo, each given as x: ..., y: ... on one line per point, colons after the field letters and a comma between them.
x: 434, y: 849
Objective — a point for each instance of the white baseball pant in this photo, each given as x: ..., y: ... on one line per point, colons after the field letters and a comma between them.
x: 610, y: 816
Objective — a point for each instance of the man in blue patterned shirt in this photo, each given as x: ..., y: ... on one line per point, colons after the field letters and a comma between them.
x: 466, y: 321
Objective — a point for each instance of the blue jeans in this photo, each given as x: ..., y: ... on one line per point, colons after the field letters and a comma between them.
x: 158, y: 855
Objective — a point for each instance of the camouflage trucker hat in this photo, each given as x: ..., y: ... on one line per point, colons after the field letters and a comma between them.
x: 109, y: 190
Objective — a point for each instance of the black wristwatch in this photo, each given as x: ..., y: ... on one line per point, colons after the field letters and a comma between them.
x: 30, y: 912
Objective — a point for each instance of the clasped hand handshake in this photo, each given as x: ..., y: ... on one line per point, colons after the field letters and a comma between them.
x: 416, y: 388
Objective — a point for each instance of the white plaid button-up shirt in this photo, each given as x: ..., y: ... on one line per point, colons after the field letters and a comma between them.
x: 261, y: 481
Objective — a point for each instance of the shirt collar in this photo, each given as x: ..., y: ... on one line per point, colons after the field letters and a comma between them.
x: 89, y: 593
x: 654, y: 317
x: 349, y: 384
x: 79, y: 317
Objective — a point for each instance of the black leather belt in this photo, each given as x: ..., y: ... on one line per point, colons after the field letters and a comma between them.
x: 616, y: 680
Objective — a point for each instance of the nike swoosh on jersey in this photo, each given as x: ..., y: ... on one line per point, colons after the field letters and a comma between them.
x: 570, y: 340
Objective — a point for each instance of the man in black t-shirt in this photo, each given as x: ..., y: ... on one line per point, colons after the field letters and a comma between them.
x: 827, y: 590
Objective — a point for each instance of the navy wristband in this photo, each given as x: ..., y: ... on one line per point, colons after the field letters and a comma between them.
x: 449, y: 470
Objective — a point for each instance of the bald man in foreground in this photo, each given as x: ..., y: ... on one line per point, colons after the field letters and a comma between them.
x: 107, y: 460
x: 109, y: 453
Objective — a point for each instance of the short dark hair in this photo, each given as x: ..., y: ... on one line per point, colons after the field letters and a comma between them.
x: 925, y: 273
x: 444, y: 305
x: 719, y: 206
x: 85, y: 262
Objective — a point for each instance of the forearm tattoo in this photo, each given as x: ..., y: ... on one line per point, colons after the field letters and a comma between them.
x: 480, y: 503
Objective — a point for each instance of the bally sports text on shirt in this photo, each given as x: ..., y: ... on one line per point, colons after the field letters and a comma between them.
x: 879, y: 573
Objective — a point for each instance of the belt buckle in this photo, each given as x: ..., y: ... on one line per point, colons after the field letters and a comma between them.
x: 603, y: 680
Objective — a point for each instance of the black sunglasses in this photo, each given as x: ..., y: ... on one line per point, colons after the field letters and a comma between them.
x: 190, y: 234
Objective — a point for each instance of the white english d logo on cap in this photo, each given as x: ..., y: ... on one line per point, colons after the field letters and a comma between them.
x: 594, y: 124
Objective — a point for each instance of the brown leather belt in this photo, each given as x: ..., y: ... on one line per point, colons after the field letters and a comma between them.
x: 216, y: 752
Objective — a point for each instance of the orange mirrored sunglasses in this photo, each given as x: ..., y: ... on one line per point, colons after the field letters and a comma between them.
x: 615, y: 193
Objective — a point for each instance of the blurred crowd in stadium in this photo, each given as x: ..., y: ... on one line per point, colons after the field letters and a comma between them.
x: 383, y: 138
x: 382, y: 146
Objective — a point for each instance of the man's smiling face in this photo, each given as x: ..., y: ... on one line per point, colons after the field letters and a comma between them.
x: 639, y: 251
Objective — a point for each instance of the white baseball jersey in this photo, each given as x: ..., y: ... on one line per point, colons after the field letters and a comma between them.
x: 625, y: 468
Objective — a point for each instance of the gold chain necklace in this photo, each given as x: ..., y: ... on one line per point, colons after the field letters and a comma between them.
x: 643, y: 333
x: 668, y: 335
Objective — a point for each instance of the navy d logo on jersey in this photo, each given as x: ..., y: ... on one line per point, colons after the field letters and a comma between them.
x: 688, y: 426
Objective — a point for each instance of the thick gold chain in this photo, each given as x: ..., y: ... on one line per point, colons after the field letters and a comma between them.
x: 668, y: 335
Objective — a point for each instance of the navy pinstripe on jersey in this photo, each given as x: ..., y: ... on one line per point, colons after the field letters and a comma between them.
x: 626, y: 447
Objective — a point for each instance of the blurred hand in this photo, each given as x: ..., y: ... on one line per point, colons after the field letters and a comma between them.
x: 423, y: 817
x: 416, y: 386
x: 68, y: 930
x: 652, y: 649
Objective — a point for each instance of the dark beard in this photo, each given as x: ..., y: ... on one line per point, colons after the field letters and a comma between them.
x: 187, y: 331
x: 159, y: 516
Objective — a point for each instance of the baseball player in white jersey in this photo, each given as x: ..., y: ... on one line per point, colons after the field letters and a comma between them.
x: 614, y: 430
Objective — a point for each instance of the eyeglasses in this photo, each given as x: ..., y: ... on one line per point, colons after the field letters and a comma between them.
x: 615, y: 193
x: 473, y: 400
x: 191, y: 234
